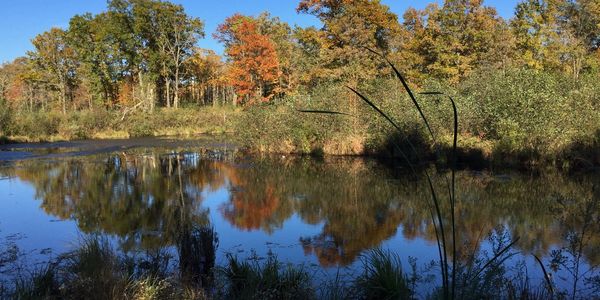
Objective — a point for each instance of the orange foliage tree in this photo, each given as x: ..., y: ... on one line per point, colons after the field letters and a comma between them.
x: 254, y: 64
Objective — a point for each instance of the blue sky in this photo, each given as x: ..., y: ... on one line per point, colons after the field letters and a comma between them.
x: 21, y: 20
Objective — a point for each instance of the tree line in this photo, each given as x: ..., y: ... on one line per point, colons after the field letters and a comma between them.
x: 140, y: 54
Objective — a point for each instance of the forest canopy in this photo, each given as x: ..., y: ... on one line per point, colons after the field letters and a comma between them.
x: 524, y: 86
x: 145, y: 53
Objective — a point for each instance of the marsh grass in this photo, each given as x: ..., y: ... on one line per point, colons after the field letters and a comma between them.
x: 39, y: 284
x: 44, y: 126
x: 95, y: 270
x: 197, y: 253
x: 383, y: 277
x: 522, y: 289
x: 251, y: 279
x: 337, y: 288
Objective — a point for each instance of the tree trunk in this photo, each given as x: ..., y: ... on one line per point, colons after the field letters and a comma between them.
x: 176, y: 97
x: 63, y: 97
x: 30, y: 99
x: 168, y: 84
x: 151, y: 93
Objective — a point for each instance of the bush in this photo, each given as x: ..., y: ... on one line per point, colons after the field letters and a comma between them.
x: 185, y: 121
x: 140, y: 125
x: 518, y: 115
x: 279, y: 126
x: 37, y: 124
x: 5, y: 116
x: 84, y: 124
x: 527, y: 110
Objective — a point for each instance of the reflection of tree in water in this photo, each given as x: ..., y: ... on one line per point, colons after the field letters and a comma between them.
x: 579, y: 255
x: 258, y: 198
x: 358, y: 211
x: 361, y: 204
x: 148, y: 200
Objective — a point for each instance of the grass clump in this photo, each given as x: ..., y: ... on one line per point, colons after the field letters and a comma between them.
x: 41, y: 284
x: 383, y: 277
x: 94, y: 270
x: 245, y: 279
x: 148, y: 289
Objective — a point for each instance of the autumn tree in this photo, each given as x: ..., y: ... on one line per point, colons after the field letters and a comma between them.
x: 254, y: 69
x: 579, y: 23
x: 142, y: 53
x: 20, y: 84
x: 288, y: 52
x: 557, y: 35
x: 415, y: 42
x: 178, y: 35
x: 168, y: 36
x: 55, y: 58
x: 449, y: 42
x: 4, y: 79
x: 11, y: 87
x: 534, y: 27
x: 583, y: 17
x: 308, y: 67
x: 207, y: 82
x: 349, y: 27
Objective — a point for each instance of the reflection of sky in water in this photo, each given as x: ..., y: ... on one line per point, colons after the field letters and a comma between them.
x: 285, y: 241
x: 21, y: 215
x: 23, y: 218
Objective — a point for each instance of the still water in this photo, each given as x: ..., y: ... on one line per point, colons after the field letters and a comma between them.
x: 322, y: 213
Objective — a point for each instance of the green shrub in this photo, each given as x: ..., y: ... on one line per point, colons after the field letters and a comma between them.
x: 96, y: 120
x: 36, y: 124
x: 140, y: 125
x: 84, y: 124
x: 5, y: 116
x: 525, y: 110
x: 279, y: 126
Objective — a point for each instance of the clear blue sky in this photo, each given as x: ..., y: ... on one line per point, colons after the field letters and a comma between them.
x: 21, y: 20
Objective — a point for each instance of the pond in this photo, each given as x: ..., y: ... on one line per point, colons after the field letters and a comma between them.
x: 323, y: 213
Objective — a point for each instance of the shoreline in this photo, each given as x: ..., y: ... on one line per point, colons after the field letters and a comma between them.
x: 470, y: 157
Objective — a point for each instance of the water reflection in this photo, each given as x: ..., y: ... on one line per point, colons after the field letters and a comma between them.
x: 151, y: 200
